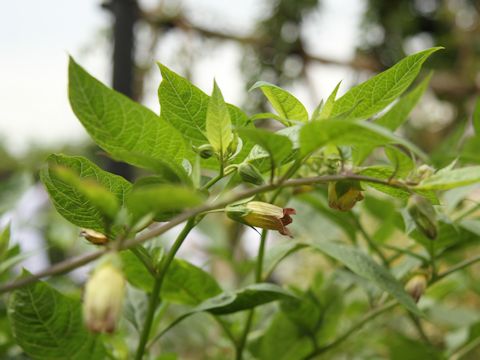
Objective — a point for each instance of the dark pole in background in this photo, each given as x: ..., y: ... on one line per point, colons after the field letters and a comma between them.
x: 125, y: 14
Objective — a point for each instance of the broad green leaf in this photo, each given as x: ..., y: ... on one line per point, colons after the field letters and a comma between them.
x: 278, y: 147
x: 183, y: 105
x: 218, y: 124
x: 286, y: 105
x: 339, y: 132
x: 135, y: 272
x: 71, y: 203
x: 102, y: 199
x: 184, y: 283
x: 48, y: 325
x: 247, y: 298
x: 386, y: 172
x: 399, y: 112
x: 328, y: 107
x: 396, y: 116
x: 362, y: 265
x: 449, y: 179
x: 376, y: 93
x: 160, y: 200
x: 187, y: 284
x: 283, y: 340
x: 120, y: 125
x: 231, y: 302
x: 476, y: 117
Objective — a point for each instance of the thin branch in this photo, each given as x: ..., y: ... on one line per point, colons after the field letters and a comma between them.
x: 73, y: 263
x: 459, y: 266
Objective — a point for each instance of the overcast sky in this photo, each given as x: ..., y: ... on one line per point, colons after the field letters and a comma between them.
x: 37, y: 36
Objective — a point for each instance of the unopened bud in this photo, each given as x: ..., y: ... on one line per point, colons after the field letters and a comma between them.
x: 94, y: 237
x: 423, y: 214
x: 205, y: 151
x: 416, y: 286
x: 424, y: 171
x: 344, y: 194
x: 103, y: 300
x: 250, y: 174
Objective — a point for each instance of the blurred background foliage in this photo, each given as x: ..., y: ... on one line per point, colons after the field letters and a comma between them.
x: 280, y: 48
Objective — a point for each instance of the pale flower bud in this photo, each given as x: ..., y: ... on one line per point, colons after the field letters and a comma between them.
x: 103, y: 299
x: 94, y: 237
x: 416, y: 286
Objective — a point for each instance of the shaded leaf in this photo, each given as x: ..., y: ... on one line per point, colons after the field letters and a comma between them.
x: 71, y: 203
x: 362, y: 265
x: 49, y: 325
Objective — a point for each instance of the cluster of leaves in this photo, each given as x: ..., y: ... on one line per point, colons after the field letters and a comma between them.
x: 197, y: 153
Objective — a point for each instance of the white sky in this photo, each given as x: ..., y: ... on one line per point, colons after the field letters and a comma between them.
x: 37, y: 36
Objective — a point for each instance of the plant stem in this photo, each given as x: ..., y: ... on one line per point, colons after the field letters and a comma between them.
x: 157, y: 287
x: 258, y: 279
x: 371, y: 243
x: 459, y: 266
x: 73, y: 263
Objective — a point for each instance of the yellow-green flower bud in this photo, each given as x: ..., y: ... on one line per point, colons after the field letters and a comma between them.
x: 250, y: 174
x: 94, y: 237
x: 423, y: 214
x: 416, y: 286
x: 103, y: 299
x: 344, y: 194
x: 206, y: 151
x: 262, y: 215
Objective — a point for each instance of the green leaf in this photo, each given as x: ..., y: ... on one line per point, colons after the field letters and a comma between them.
x: 49, y: 325
x: 476, y: 117
x: 184, y: 283
x: 328, y: 107
x: 362, y: 265
x: 160, y: 200
x: 317, y: 134
x: 4, y: 241
x: 376, y: 93
x: 187, y: 284
x: 102, y: 199
x: 247, y: 298
x: 286, y: 105
x: 71, y: 203
x: 386, y: 172
x: 278, y: 147
x: 218, y: 123
x: 183, y: 105
x: 283, y: 340
x: 396, y: 116
x: 449, y: 179
x: 120, y: 125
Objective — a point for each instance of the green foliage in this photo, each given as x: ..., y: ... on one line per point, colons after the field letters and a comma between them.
x: 286, y: 105
x: 202, y: 155
x: 49, y: 325
x: 375, y: 94
x: 77, y: 199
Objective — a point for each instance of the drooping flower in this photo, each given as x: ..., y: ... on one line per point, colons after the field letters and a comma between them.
x: 103, y: 299
x: 263, y: 215
x: 343, y: 195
